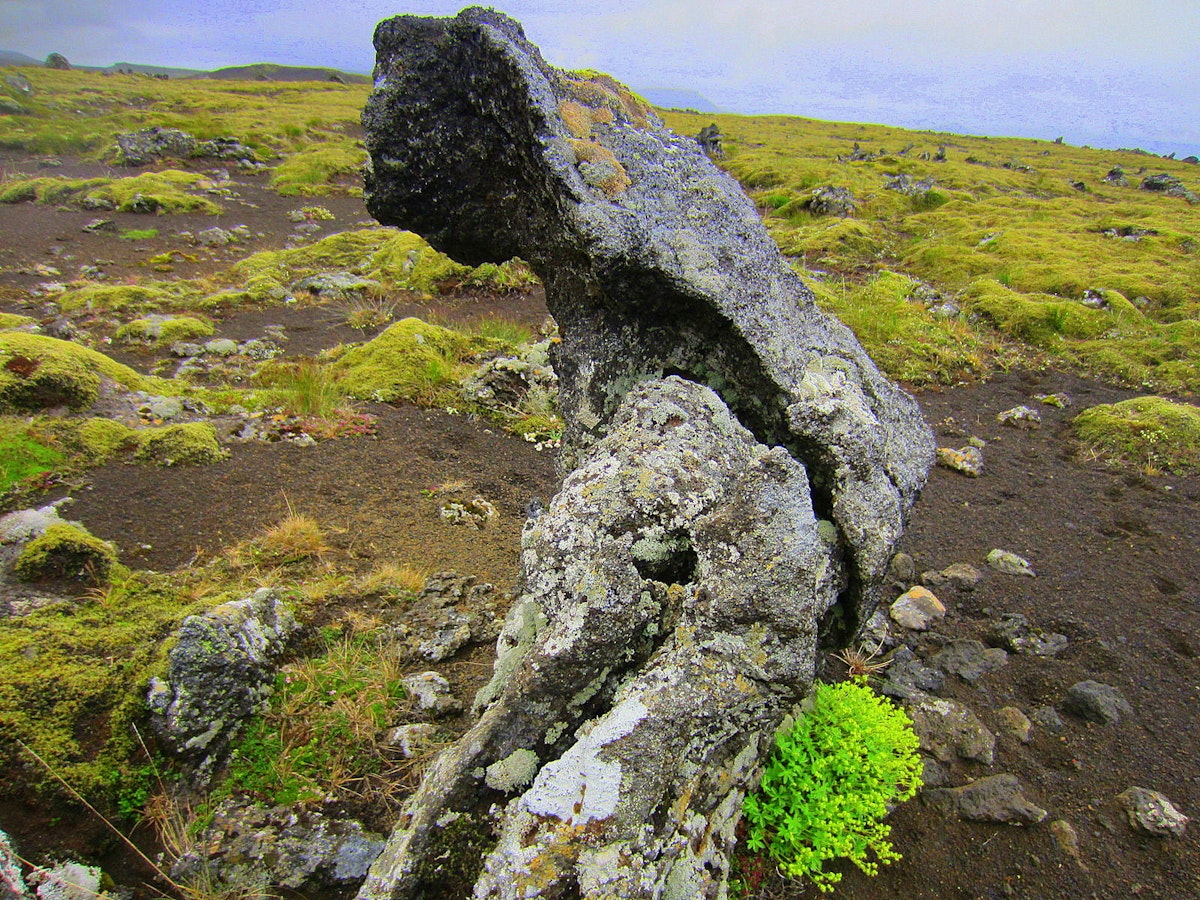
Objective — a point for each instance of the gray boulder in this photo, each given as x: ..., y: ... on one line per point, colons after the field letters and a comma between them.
x: 58, y: 61
x: 139, y: 148
x: 294, y: 847
x: 219, y: 674
x: 832, y: 201
x: 741, y: 475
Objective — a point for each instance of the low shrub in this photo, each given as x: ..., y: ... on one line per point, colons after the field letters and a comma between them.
x: 832, y: 779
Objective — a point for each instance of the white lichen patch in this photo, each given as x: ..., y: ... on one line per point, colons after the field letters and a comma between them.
x: 580, y: 787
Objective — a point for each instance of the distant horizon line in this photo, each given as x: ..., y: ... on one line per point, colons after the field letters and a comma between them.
x: 1183, y: 150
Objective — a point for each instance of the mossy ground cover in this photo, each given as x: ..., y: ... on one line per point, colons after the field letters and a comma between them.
x: 1023, y: 231
x: 168, y: 191
x: 82, y: 112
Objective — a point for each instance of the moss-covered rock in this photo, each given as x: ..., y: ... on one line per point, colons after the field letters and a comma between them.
x: 38, y: 372
x: 13, y: 322
x: 164, y: 329
x: 188, y: 444
x: 415, y: 361
x: 66, y: 551
x: 1153, y: 432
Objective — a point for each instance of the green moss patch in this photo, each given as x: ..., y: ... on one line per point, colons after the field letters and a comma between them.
x: 322, y: 169
x: 414, y: 361
x: 164, y: 330
x: 1152, y: 432
x: 38, y: 372
x: 21, y: 455
x: 73, y: 678
x: 66, y: 551
x: 150, y: 192
x: 188, y: 444
x: 12, y: 321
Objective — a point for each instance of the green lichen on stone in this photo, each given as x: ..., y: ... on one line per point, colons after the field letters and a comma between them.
x: 164, y: 329
x: 513, y: 772
x: 38, y: 372
x: 66, y: 551
x: 187, y: 444
x: 1153, y: 432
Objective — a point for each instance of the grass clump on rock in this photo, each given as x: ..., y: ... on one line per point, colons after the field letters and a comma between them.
x: 833, y: 778
x: 66, y: 551
x: 1153, y: 432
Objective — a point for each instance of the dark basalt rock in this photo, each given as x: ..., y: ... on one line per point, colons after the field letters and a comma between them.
x: 655, y: 261
x: 741, y: 475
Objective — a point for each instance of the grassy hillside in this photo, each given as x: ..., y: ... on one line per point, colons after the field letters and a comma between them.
x: 82, y: 112
x: 1026, y: 238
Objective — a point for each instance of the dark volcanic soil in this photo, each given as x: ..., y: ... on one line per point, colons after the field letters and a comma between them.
x: 1116, y: 551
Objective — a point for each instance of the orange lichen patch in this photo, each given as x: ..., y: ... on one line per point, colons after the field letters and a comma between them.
x: 600, y: 91
x: 580, y: 119
x: 605, y: 172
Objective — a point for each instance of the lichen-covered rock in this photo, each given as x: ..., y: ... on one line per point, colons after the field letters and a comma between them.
x: 219, y: 674
x: 664, y: 268
x: 948, y: 729
x: 1152, y: 812
x: 741, y: 475
x: 12, y: 882
x: 674, y: 590
x: 287, y: 846
x: 139, y: 148
x: 69, y: 881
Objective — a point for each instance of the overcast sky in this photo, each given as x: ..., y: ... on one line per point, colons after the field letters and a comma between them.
x: 1110, y: 73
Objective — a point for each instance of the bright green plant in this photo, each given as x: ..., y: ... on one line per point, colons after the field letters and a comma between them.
x: 831, y: 781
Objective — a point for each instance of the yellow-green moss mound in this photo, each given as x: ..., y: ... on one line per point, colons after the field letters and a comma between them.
x: 413, y: 361
x: 11, y: 321
x: 150, y: 192
x: 164, y: 329
x: 66, y: 551
x: 38, y: 372
x: 1152, y: 432
x: 189, y: 444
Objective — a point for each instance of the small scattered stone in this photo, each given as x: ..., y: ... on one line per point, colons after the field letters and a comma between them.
x: 1016, y: 723
x: 1067, y: 840
x: 917, y: 609
x: 969, y: 660
x: 902, y: 568
x: 1020, y: 417
x: 910, y: 680
x: 1047, y: 717
x: 1014, y: 633
x: 962, y: 576
x: 1061, y: 401
x: 432, y: 692
x: 1009, y: 563
x: 933, y: 773
x: 221, y: 347
x: 12, y: 881
x: 97, y: 225
x: 1152, y: 812
x: 412, y: 740
x: 214, y: 237
x: 947, y: 730
x: 995, y: 798
x: 967, y: 460
x: 1096, y: 702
